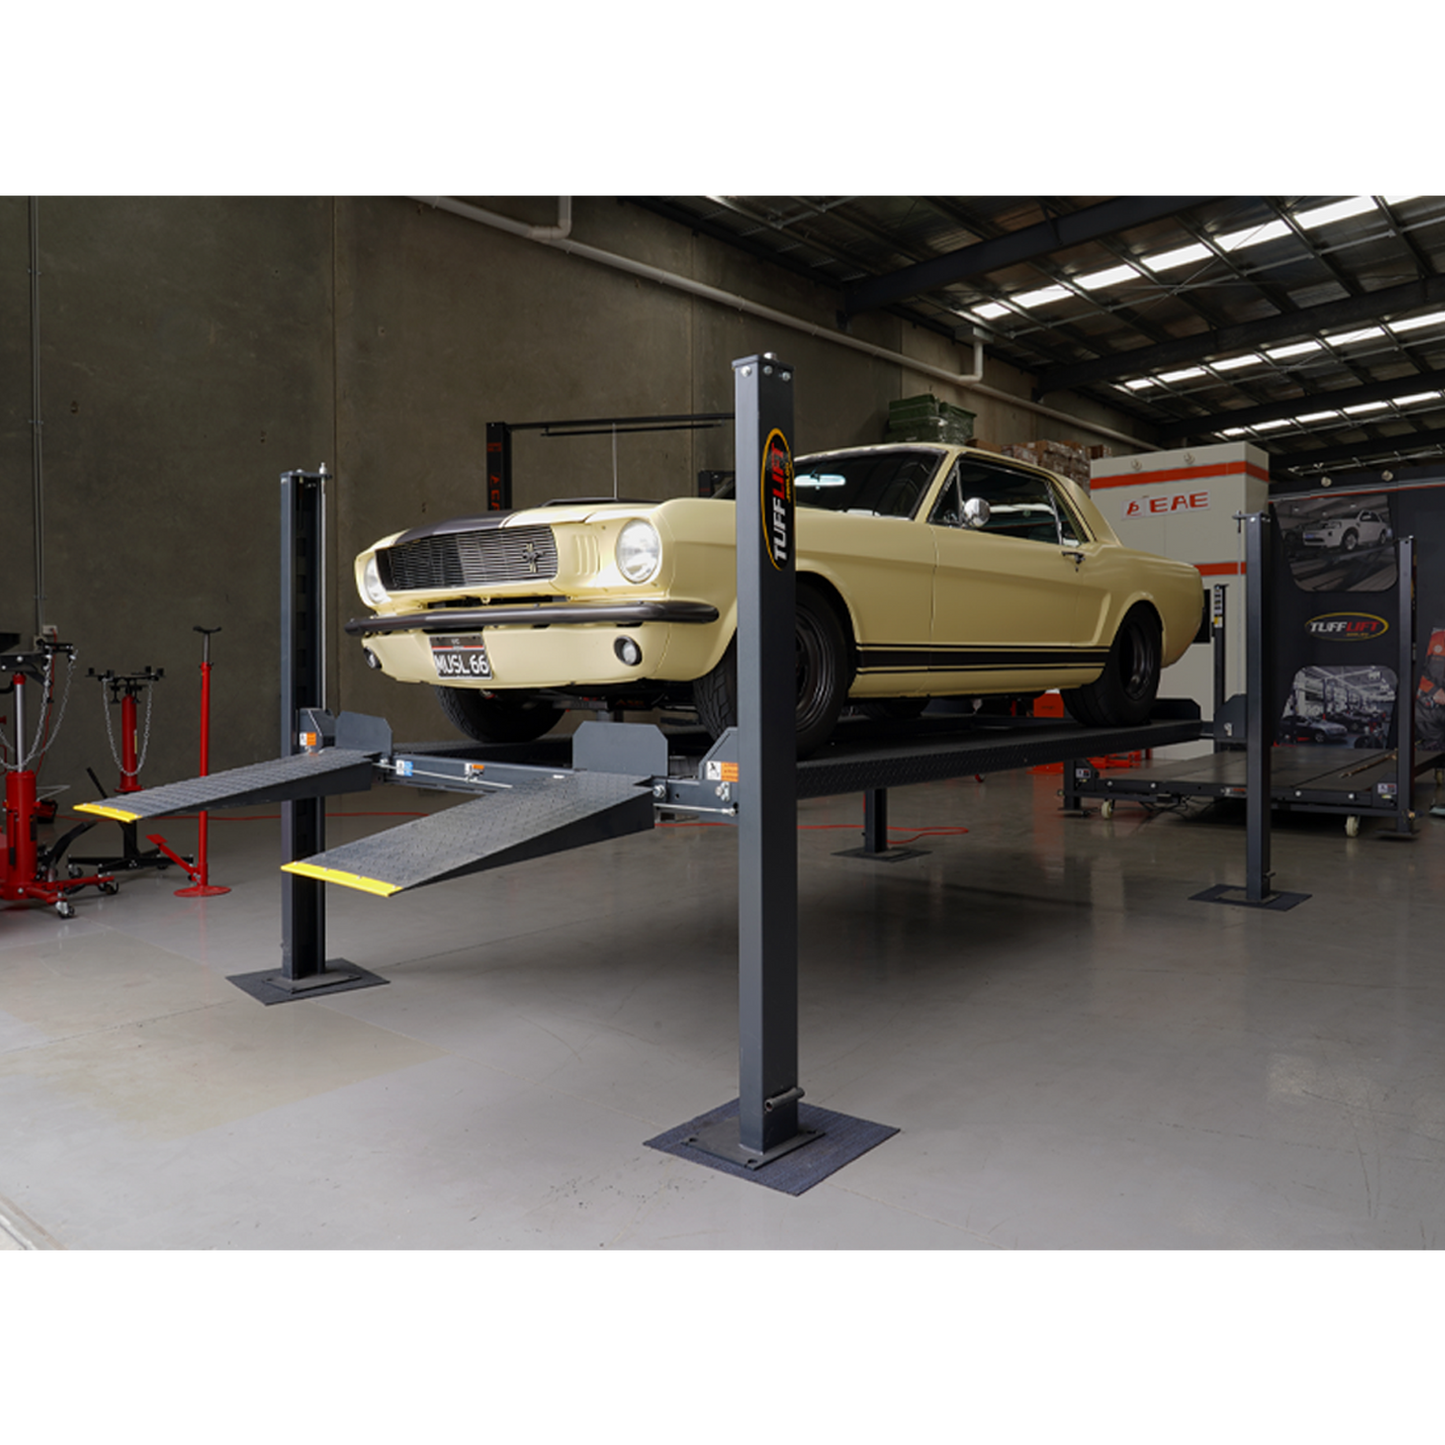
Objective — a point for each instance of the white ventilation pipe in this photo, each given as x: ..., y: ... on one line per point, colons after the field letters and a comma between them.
x: 559, y: 237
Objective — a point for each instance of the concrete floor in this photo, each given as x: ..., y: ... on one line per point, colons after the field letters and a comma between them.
x: 1077, y: 1056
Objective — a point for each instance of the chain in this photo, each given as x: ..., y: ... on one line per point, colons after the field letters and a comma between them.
x: 40, y: 728
x: 145, y: 736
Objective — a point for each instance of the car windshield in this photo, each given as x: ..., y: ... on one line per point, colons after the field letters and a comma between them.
x: 884, y: 484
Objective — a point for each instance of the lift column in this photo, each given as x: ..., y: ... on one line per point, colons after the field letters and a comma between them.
x: 303, y: 683
x: 767, y: 1120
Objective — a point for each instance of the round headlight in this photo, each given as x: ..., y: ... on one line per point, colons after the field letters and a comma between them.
x: 371, y: 587
x: 639, y: 551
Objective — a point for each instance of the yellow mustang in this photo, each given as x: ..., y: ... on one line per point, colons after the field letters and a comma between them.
x: 923, y: 571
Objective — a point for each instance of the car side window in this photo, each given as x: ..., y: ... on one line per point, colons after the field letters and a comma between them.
x: 1021, y: 504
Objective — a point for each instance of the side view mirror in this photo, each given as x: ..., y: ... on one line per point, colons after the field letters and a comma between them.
x: 976, y: 513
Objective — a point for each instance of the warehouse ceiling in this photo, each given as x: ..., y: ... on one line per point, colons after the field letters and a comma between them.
x: 1310, y: 326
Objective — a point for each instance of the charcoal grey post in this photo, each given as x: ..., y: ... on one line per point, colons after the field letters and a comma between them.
x: 303, y: 688
x: 1219, y: 617
x: 767, y: 1123
x: 767, y: 757
x: 1259, y: 727
x: 303, y: 826
x: 1405, y: 694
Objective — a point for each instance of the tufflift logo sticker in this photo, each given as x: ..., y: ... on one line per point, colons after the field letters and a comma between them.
x: 1347, y: 626
x: 1172, y: 502
x: 777, y: 490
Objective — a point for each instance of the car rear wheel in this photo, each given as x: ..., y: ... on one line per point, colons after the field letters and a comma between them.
x: 1123, y: 694
x: 821, y: 675
x: 497, y: 717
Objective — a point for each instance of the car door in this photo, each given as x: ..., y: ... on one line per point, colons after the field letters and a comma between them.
x: 1007, y: 594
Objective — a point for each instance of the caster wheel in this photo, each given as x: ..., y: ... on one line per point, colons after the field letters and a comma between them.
x: 1352, y: 827
x: 72, y: 870
x: 110, y: 889
x: 64, y: 909
x: 1107, y: 810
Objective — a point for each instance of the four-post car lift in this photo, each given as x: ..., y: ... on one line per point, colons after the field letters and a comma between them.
x: 617, y: 780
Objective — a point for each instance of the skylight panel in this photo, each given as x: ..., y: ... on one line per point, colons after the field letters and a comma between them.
x: 1252, y: 236
x: 1417, y: 398
x: 1041, y: 297
x: 1298, y: 349
x: 1143, y: 381
x: 1114, y: 276
x: 1233, y: 431
x: 1414, y: 323
x: 1339, y: 211
x: 1232, y: 363
x: 990, y: 310
x: 1182, y: 375
x: 1348, y: 338
x: 1271, y: 425
x: 1318, y: 416
x: 1365, y: 406
x: 1167, y: 260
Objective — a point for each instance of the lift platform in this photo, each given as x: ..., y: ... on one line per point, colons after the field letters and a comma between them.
x: 607, y: 781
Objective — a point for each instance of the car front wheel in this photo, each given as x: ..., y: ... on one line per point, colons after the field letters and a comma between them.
x: 821, y: 675
x: 1123, y: 694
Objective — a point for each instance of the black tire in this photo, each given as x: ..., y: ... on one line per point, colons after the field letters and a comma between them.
x: 1123, y: 694
x: 822, y: 678
x: 1350, y: 541
x: 497, y: 717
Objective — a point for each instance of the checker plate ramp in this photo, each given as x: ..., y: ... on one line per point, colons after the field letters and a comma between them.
x: 528, y: 820
x: 307, y: 775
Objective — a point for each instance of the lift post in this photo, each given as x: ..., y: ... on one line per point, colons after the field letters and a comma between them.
x: 767, y: 1124
x: 305, y: 969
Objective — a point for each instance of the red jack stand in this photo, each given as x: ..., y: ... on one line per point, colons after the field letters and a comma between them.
x: 26, y: 870
x: 201, y: 885
x: 124, y: 689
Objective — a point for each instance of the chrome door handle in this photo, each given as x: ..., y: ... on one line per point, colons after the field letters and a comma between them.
x: 1076, y: 557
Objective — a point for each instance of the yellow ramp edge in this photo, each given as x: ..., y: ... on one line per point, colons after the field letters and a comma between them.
x: 103, y: 810
x: 347, y: 880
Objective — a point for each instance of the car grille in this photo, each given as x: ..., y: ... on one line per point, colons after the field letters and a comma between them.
x: 470, y: 559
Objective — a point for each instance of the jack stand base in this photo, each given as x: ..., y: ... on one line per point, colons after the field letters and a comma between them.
x: 1276, y: 902
x: 338, y: 976
x: 202, y: 890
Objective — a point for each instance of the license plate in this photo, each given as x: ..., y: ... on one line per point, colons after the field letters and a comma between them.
x: 460, y: 657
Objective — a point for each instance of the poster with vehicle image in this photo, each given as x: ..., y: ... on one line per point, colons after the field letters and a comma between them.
x: 1339, y: 543
x: 1342, y: 707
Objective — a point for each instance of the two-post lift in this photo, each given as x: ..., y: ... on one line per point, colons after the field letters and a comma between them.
x: 619, y: 779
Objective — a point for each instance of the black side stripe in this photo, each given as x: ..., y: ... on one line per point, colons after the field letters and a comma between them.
x: 976, y: 659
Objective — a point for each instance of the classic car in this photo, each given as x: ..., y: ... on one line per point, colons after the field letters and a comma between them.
x: 1358, y: 529
x: 923, y: 571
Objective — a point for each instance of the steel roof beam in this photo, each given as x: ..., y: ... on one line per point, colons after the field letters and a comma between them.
x: 1316, y: 401
x: 1057, y: 234
x: 1377, y: 446
x: 1248, y: 336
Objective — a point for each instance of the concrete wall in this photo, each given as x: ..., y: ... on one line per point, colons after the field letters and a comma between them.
x: 193, y: 349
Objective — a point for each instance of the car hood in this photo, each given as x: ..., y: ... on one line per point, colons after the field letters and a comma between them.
x: 582, y: 510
